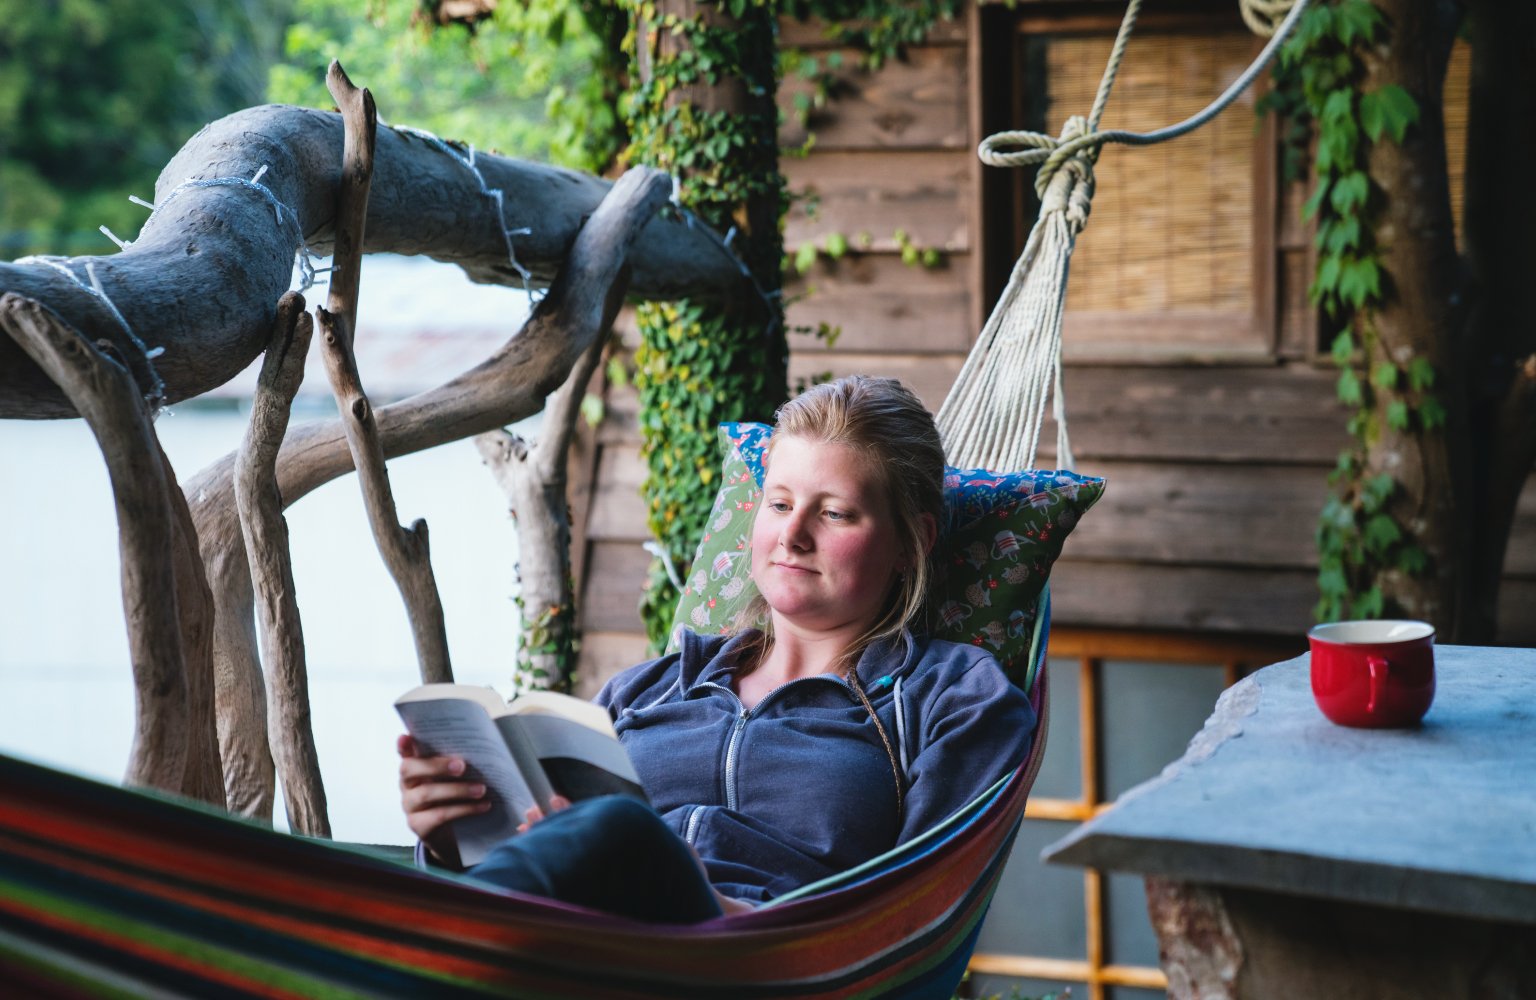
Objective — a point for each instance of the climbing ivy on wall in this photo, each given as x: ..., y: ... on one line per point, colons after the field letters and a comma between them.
x: 702, y: 107
x: 1318, y: 83
x: 701, y: 363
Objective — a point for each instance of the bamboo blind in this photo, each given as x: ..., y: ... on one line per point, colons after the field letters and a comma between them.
x: 1456, y: 98
x: 1172, y: 225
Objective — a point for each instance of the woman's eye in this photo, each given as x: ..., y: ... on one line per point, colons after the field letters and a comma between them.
x: 835, y: 515
x: 777, y: 506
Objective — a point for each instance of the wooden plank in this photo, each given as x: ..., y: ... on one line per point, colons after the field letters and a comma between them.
x: 913, y: 103
x: 1258, y: 516
x: 1298, y: 316
x: 883, y: 305
x: 1218, y: 599
x: 812, y: 33
x: 1165, y: 334
x: 616, y: 573
x: 618, y: 512
x: 1271, y: 414
x: 604, y: 654
x: 930, y: 377
x: 879, y: 192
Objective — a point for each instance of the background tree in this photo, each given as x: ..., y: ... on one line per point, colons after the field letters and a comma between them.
x: 1437, y: 348
x: 534, y: 80
x: 95, y: 96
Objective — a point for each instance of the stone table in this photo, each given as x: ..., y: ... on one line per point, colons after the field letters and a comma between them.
x: 1289, y: 857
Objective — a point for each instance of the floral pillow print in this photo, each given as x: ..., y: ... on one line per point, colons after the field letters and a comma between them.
x: 1001, y: 535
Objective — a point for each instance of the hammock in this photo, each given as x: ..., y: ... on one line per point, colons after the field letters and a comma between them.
x: 107, y: 892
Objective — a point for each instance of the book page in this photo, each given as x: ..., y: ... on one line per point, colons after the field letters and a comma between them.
x: 460, y: 728
x: 580, y: 761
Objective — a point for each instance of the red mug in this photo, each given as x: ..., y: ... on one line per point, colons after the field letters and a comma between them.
x: 1373, y: 674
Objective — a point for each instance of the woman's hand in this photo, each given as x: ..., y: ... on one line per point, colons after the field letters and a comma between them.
x: 534, y: 813
x: 433, y: 794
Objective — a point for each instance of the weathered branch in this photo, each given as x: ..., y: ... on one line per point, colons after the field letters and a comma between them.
x: 204, y: 777
x: 265, y: 534
x: 105, y: 395
x: 406, y: 551
x: 534, y: 481
x: 227, y: 235
x: 509, y: 386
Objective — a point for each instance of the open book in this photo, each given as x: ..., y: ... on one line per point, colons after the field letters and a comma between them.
x: 540, y: 744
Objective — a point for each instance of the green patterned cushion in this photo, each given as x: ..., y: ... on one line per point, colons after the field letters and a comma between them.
x: 1000, y: 537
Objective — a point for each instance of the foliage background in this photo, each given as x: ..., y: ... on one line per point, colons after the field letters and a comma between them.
x: 95, y: 97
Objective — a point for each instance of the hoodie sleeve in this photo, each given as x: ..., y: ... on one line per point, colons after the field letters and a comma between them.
x: 972, y: 727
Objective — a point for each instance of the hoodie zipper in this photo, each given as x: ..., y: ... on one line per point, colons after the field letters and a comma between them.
x: 731, y: 748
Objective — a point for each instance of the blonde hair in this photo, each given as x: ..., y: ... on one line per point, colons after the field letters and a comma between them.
x: 888, y: 425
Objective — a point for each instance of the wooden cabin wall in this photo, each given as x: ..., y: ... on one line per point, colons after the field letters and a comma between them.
x: 1216, y: 439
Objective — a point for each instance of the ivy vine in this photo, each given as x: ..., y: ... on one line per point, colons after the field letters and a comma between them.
x: 700, y: 363
x: 703, y: 363
x: 1319, y: 89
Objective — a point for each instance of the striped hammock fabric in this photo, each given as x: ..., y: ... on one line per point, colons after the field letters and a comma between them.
x: 107, y: 892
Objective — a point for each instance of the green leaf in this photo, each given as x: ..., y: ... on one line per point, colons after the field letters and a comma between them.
x: 1331, y: 581
x: 836, y: 245
x: 1355, y: 20
x: 1384, y: 375
x: 1349, y: 192
x: 1343, y: 234
x: 1343, y: 348
x: 1319, y: 194
x: 1359, y: 281
x: 1327, y: 276
x: 592, y: 409
x: 1380, y: 534
x: 1412, y: 560
x: 1421, y: 374
x: 1431, y: 413
x: 805, y: 257
x: 1397, y: 415
x: 1368, y: 605
x: 1390, y: 110
x: 1339, y: 106
x: 1349, y: 388
x: 1375, y: 491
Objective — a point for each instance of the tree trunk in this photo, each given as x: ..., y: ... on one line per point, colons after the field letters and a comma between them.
x: 1498, y: 220
x: 1420, y: 317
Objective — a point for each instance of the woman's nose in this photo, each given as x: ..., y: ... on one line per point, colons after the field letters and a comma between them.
x: 795, y: 535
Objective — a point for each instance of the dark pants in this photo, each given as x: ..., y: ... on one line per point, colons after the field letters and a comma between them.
x: 613, y: 854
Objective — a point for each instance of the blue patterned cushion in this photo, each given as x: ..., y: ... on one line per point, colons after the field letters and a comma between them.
x: 1001, y: 534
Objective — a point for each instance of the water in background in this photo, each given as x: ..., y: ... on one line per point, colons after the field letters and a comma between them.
x: 66, y: 694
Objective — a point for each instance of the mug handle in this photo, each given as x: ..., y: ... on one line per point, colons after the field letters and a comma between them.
x: 1379, y: 668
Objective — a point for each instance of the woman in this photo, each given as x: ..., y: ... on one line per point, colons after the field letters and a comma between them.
x: 778, y: 756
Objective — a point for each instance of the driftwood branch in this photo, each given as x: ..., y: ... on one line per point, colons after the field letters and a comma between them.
x: 212, y: 229
x: 533, y: 477
x: 104, y: 393
x: 509, y: 386
x: 204, y: 776
x: 406, y: 551
x: 265, y: 533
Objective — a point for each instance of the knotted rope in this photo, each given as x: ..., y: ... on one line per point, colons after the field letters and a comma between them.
x: 993, y: 416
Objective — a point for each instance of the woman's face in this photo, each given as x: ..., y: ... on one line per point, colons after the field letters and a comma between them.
x: 825, y: 549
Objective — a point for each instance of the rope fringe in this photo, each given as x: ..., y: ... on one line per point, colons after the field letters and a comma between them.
x: 993, y: 416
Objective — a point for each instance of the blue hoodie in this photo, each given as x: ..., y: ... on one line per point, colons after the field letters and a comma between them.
x: 801, y: 786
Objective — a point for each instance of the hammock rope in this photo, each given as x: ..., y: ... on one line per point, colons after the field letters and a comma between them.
x: 993, y: 416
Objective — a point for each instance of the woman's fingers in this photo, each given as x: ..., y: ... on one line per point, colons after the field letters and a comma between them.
x: 416, y: 770
x: 431, y: 805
